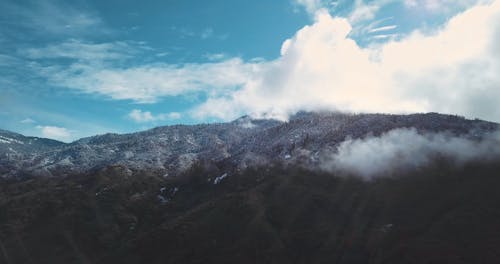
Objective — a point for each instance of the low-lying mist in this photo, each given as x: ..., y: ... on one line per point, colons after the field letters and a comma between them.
x: 406, y: 149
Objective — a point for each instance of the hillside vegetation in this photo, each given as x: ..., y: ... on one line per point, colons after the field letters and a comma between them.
x: 273, y: 214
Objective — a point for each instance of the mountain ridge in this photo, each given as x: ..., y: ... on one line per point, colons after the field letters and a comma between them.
x: 250, y: 193
x: 241, y: 143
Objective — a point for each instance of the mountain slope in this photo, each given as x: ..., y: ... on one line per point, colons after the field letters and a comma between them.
x: 253, y: 191
x: 21, y: 144
x: 440, y: 214
x: 244, y: 142
x: 15, y: 148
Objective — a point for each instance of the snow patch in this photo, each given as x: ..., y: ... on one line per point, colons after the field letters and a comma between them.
x: 191, y: 140
x: 65, y: 162
x: 386, y: 228
x: 165, y: 196
x: 7, y: 140
x: 45, y: 161
x: 185, y: 161
x: 128, y: 154
x: 248, y: 124
x: 162, y: 199
x: 220, y: 178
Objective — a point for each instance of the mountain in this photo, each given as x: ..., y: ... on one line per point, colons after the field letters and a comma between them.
x: 17, y: 143
x: 270, y: 214
x: 245, y: 142
x: 257, y: 191
x: 15, y: 148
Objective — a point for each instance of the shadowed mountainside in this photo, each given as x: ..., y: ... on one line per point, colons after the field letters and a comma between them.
x: 438, y: 214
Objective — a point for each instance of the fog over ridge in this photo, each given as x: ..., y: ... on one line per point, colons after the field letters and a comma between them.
x: 403, y: 149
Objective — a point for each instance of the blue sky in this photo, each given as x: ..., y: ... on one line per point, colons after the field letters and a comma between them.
x: 70, y: 70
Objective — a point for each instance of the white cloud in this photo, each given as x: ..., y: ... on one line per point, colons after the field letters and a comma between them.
x: 403, y: 149
x: 454, y: 70
x: 54, y: 132
x: 140, y: 116
x: 8, y: 61
x: 381, y: 29
x: 174, y: 115
x: 148, y: 83
x: 378, y: 29
x: 384, y: 36
x: 162, y: 54
x: 440, y: 5
x: 215, y: 56
x: 366, y: 11
x: 311, y: 6
x: 28, y: 121
x: 53, y: 17
x: 79, y: 50
x: 207, y: 33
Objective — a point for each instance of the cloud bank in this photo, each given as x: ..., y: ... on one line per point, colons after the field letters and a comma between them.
x: 453, y: 70
x: 403, y: 149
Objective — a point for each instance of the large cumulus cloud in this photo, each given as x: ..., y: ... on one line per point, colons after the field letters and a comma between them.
x: 453, y: 70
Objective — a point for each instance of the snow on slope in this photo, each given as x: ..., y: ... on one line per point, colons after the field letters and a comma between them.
x: 304, y: 139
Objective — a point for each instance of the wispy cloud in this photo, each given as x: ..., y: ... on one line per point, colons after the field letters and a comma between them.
x: 360, y: 10
x: 207, y: 33
x: 384, y: 36
x: 359, y: 13
x: 311, y: 6
x: 150, y: 82
x: 140, y: 116
x: 381, y: 29
x: 28, y: 121
x: 48, y: 29
x: 84, y: 51
x: 215, y: 56
x: 7, y: 60
x: 376, y: 30
x: 441, y: 5
x: 162, y: 54
x: 363, y: 10
x: 50, y: 17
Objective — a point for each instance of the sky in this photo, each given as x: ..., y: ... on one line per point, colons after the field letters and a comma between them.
x: 72, y: 69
